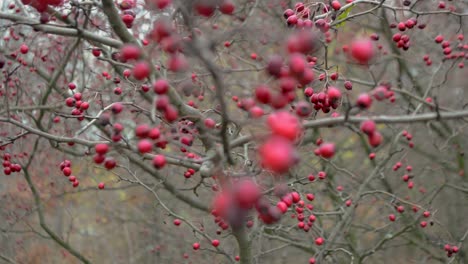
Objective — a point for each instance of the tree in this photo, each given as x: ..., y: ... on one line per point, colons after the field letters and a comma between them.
x: 227, y: 131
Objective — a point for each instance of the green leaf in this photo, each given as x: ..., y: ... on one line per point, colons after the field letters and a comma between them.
x: 344, y: 15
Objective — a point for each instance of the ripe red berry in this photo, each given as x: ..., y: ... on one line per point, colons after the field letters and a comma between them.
x: 375, y: 139
x: 70, y: 102
x: 256, y: 112
x: 142, y: 130
x: 171, y: 114
x: 196, y: 246
x: 400, y: 208
x: 161, y: 86
x: 130, y: 52
x: 263, y: 94
x: 177, y: 222
x: 209, y: 123
x: 348, y: 85
x: 368, y: 127
x: 282, y: 206
x: 67, y: 171
x: 392, y: 217
x: 297, y: 63
x: 319, y: 241
x: 117, y: 108
x: 159, y: 161
x: 96, y: 52
x: 278, y: 154
x: 24, y: 48
x: 284, y: 124
x: 336, y: 5
x: 145, y: 146
x: 364, y: 101
x: 402, y: 26
x: 362, y: 50
x: 333, y: 94
x: 215, y: 242
x: 101, y: 148
x: 227, y: 7
x: 101, y: 185
x: 327, y: 150
x: 141, y: 70
x: 75, y: 184
x: 98, y: 158
x: 110, y: 163
x: 348, y: 203
x: 161, y: 4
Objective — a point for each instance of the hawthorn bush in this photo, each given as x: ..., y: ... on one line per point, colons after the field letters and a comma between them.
x: 225, y: 131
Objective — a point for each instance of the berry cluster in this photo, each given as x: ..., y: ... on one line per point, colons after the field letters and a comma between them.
x: 403, y: 40
x: 65, y: 167
x: 79, y: 106
x: 9, y: 167
x: 448, y: 51
x: 41, y: 5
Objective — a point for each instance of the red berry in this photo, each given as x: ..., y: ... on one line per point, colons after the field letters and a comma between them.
x: 130, y: 52
x: 368, y: 127
x: 110, y: 163
x: 362, y: 50
x: 333, y: 94
x: 215, y: 242
x: 210, y: 123
x: 263, y: 94
x: 284, y: 124
x: 76, y: 183
x: 282, y: 206
x: 96, y: 52
x: 348, y: 85
x: 101, y: 148
x: 161, y: 86
x: 227, y: 7
x: 161, y: 4
x: 336, y: 5
x: 98, y: 158
x: 67, y: 171
x: 319, y: 241
x: 327, y: 150
x: 402, y: 26
x: 142, y: 131
x: 375, y: 139
x: 141, y: 70
x: 101, y: 185
x: 364, y: 100
x: 277, y: 154
x: 196, y: 246
x: 117, y: 108
x: 159, y: 161
x: 145, y: 146
x: 400, y: 208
